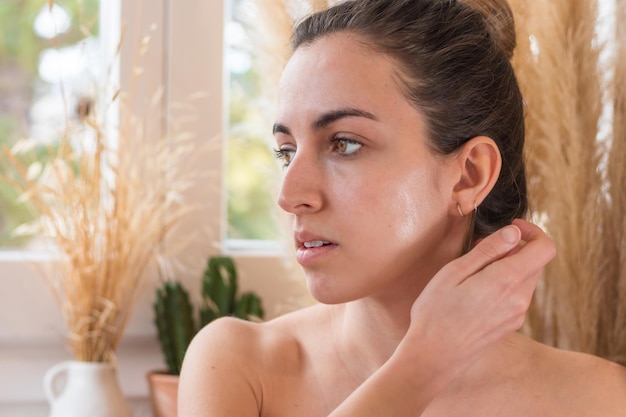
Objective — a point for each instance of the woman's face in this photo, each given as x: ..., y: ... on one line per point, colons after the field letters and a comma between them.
x: 368, y: 201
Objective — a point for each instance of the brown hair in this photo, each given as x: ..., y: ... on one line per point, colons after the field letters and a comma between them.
x: 454, y: 67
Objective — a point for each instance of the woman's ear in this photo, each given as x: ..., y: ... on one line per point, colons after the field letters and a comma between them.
x: 479, y: 162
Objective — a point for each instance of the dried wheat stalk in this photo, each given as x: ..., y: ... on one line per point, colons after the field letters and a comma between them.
x: 107, y: 205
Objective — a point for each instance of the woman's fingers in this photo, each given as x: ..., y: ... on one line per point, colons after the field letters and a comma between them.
x: 511, y: 280
x: 528, y: 243
x: 488, y: 250
x: 521, y: 269
x: 528, y: 258
x: 542, y: 244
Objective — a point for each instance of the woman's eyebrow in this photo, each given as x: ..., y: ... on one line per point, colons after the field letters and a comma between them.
x: 327, y: 118
x: 280, y: 128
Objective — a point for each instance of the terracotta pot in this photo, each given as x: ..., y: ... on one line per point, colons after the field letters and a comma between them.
x: 163, y: 394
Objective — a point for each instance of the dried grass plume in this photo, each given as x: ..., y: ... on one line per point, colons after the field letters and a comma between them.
x: 572, y: 78
x: 106, y: 200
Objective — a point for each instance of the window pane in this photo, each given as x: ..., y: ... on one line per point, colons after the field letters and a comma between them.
x: 252, y: 170
x: 48, y: 70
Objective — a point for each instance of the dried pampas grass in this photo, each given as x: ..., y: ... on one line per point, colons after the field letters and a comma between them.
x: 107, y: 199
x: 560, y: 84
x: 576, y: 172
x: 614, y: 218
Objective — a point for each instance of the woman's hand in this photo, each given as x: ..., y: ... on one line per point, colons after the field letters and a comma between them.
x: 480, y: 297
x: 470, y: 304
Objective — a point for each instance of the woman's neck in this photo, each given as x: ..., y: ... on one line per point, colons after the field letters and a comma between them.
x: 366, y: 332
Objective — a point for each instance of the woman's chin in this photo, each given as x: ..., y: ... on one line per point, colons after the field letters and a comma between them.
x: 324, y: 293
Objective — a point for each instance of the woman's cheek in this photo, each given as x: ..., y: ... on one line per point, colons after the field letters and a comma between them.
x: 414, y: 213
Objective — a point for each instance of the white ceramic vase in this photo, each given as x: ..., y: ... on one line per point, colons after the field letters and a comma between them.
x: 80, y: 389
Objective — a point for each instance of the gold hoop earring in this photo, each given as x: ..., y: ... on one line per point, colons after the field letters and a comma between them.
x: 458, y: 207
x: 469, y: 237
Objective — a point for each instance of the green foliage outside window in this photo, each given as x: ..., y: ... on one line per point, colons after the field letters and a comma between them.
x: 252, y: 169
x: 20, y: 84
x: 251, y: 172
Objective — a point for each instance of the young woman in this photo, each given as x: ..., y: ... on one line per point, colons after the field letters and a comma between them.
x: 400, y: 125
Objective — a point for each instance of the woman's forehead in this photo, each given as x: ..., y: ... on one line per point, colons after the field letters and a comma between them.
x: 338, y: 71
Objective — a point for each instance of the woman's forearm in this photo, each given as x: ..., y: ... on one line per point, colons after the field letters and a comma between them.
x: 397, y: 390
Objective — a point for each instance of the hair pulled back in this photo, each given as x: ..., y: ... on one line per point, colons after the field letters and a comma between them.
x: 454, y: 67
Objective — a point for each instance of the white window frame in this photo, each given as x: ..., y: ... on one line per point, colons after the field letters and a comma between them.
x: 185, y: 56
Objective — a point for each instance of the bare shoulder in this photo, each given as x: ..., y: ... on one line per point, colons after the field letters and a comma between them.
x: 230, y: 364
x: 599, y: 381
x: 245, y: 346
x: 591, y: 385
x: 230, y: 337
x: 213, y: 379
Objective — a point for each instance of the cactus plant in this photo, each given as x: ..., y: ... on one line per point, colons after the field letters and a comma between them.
x: 174, y: 316
x: 248, y: 307
x: 219, y: 289
x: 175, y: 323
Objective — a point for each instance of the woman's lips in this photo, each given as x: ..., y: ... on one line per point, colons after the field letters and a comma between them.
x: 309, y: 252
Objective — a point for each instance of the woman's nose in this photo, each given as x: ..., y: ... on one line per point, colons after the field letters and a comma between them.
x: 301, y: 190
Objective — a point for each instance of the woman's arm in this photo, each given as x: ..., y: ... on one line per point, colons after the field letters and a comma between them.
x: 471, y: 303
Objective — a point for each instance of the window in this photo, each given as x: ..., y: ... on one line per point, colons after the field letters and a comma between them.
x: 251, y: 171
x: 185, y: 55
x: 48, y: 66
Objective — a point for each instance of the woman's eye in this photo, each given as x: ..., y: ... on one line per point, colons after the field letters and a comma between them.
x: 285, y: 155
x: 346, y: 146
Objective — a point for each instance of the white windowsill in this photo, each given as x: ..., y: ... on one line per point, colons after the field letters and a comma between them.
x: 13, y: 255
x: 254, y: 248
